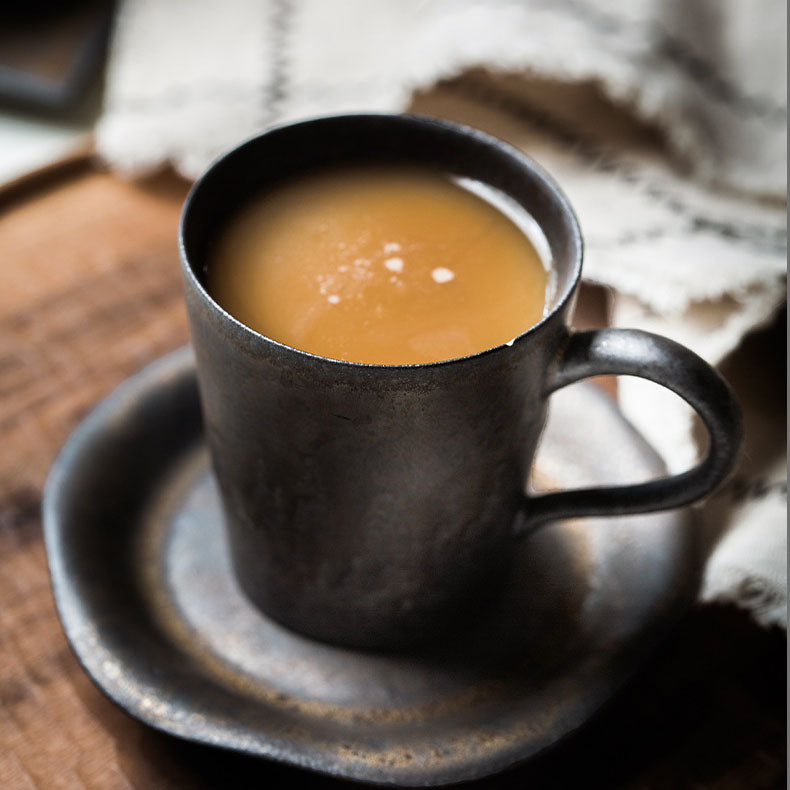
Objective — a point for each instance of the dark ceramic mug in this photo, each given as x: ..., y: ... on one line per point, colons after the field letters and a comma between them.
x: 366, y: 504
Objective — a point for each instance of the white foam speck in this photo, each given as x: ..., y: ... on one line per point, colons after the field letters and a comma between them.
x: 392, y: 246
x: 442, y: 275
x: 361, y: 262
x: 394, y: 264
x: 333, y: 299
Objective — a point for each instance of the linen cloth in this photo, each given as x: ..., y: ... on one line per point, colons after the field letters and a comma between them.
x: 663, y: 120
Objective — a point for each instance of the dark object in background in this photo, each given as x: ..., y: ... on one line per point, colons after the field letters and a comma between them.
x: 50, y: 51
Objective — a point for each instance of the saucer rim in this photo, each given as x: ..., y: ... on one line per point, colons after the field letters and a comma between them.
x: 95, y: 655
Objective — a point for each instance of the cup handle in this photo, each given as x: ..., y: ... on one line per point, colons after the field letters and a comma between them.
x: 631, y: 352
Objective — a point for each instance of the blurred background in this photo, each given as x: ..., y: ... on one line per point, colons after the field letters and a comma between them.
x: 52, y: 58
x: 666, y: 123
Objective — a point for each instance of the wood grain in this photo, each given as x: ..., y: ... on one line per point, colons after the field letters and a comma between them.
x: 90, y: 292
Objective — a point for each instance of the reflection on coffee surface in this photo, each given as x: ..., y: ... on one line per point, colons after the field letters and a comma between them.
x: 380, y: 265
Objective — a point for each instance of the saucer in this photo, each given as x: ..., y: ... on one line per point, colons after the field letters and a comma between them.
x: 144, y: 589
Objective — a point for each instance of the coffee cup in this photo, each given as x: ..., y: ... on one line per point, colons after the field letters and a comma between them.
x: 368, y: 504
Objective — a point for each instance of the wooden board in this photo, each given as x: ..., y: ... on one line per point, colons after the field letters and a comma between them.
x: 90, y: 291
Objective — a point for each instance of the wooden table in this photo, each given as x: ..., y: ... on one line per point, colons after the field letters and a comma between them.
x: 90, y: 292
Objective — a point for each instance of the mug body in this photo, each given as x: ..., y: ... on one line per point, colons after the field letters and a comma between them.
x: 371, y: 505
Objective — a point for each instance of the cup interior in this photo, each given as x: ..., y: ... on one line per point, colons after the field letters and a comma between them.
x: 350, y: 140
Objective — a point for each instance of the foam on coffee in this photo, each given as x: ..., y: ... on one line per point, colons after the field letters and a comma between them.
x: 381, y: 265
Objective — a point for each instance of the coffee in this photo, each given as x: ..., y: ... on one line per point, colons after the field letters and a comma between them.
x: 381, y: 265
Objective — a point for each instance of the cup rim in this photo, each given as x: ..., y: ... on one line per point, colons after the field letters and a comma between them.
x: 484, y: 138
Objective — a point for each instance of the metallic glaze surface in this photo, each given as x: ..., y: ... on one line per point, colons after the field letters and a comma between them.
x: 388, y: 497
x: 144, y: 587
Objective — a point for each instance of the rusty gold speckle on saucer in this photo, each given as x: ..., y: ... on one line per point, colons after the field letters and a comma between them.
x: 154, y: 614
